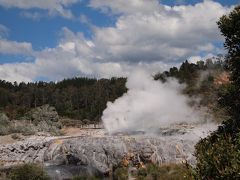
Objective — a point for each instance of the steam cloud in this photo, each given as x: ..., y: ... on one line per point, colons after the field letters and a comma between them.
x: 149, y: 105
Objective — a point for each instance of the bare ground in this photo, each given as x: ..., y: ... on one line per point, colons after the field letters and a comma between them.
x: 7, y: 139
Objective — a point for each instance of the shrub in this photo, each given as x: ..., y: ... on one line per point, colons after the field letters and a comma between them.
x: 25, y: 129
x: 121, y: 173
x: 29, y: 172
x: 165, y: 172
x: 3, y: 130
x: 218, y: 157
x: 4, y: 124
x: 155, y: 172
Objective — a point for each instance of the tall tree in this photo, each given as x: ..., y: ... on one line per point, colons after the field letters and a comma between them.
x: 230, y: 29
x: 218, y: 156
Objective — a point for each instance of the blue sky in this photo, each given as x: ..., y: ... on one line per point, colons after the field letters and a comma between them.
x: 98, y: 34
x: 45, y: 31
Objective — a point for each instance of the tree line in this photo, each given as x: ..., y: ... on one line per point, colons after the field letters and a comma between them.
x: 78, y: 98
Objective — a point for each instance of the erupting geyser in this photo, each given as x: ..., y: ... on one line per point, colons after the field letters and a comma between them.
x: 149, y: 105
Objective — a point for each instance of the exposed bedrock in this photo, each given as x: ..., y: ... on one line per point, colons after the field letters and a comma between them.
x: 96, y: 155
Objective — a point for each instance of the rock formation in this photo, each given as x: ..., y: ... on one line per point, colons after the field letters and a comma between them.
x: 98, y: 154
x: 89, y: 155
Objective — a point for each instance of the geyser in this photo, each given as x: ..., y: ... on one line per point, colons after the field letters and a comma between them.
x: 149, y: 105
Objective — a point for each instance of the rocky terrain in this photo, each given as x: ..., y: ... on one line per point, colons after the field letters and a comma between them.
x: 89, y: 150
x: 97, y: 153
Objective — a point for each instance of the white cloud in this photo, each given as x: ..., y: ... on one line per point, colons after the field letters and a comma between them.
x: 3, y: 31
x: 13, y: 47
x: 164, y: 34
x: 59, y: 7
x: 17, y: 72
x: 126, y: 7
x: 147, y: 35
x: 33, y: 15
x: 74, y: 56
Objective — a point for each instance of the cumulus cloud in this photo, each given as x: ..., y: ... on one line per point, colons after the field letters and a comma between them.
x: 163, y: 34
x: 147, y: 34
x: 17, y: 72
x: 125, y: 7
x: 53, y: 7
x: 13, y: 47
x: 74, y: 56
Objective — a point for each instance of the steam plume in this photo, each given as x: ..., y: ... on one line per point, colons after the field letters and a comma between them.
x: 148, y: 105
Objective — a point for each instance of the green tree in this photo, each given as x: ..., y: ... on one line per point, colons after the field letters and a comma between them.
x: 230, y: 29
x: 218, y: 156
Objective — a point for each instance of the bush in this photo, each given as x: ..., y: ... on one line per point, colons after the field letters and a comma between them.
x: 4, y: 124
x: 218, y: 157
x: 121, y: 173
x: 165, y: 172
x: 25, y: 129
x: 29, y: 172
x: 4, y: 130
x: 155, y: 172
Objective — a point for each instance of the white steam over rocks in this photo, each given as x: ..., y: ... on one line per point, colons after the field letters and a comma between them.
x: 150, y: 105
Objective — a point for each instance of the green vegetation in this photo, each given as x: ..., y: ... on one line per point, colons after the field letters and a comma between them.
x: 28, y: 172
x: 121, y: 173
x: 150, y: 171
x: 155, y: 172
x: 4, y: 124
x: 218, y: 156
x: 230, y: 28
x: 41, y: 119
x: 7, y: 127
x: 78, y: 98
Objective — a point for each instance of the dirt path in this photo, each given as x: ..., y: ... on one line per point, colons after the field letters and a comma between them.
x: 7, y: 139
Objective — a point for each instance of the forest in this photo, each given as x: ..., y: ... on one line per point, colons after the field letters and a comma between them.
x: 79, y: 98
